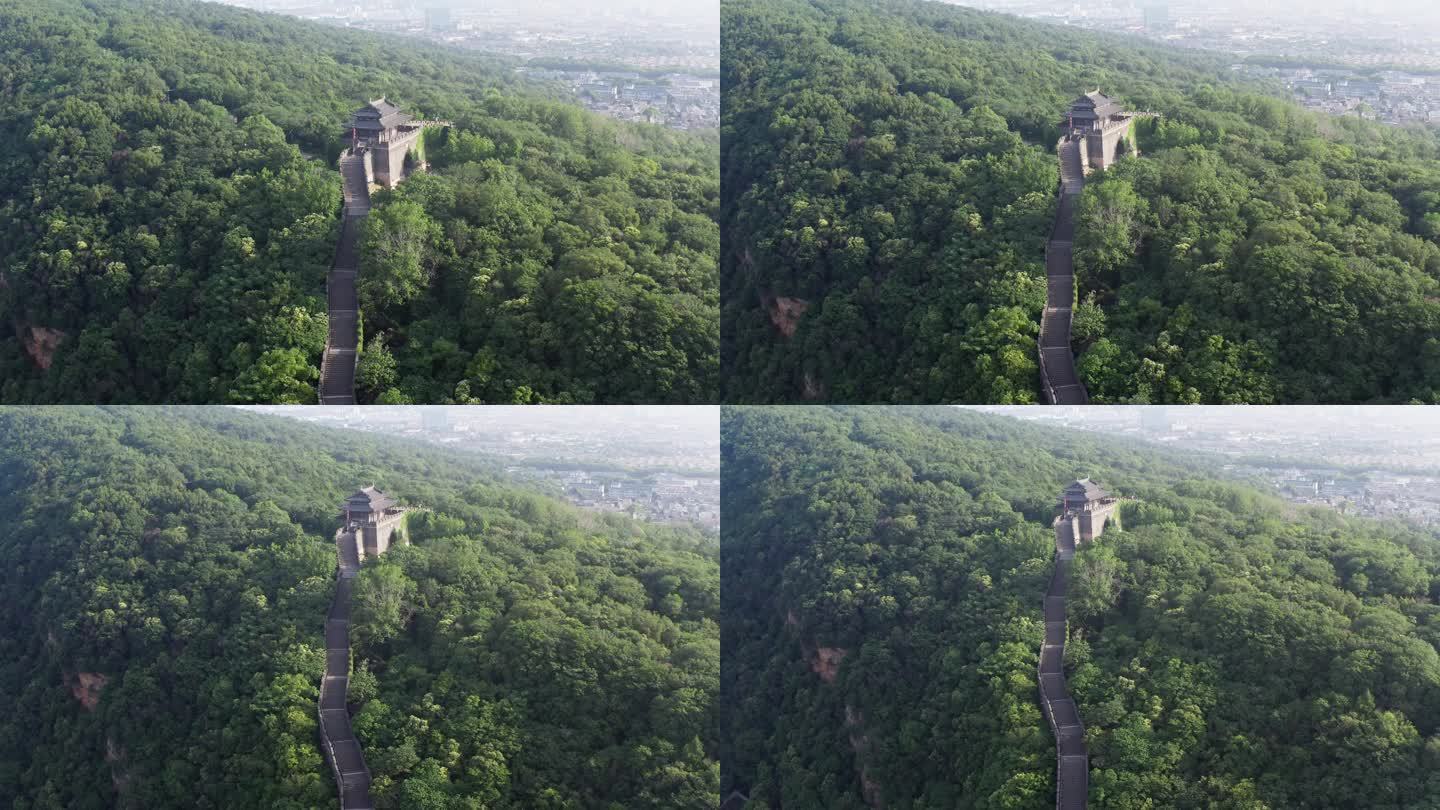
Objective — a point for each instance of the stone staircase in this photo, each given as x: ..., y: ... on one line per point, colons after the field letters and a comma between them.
x: 337, y: 370
x: 347, y: 760
x: 1065, y: 533
x: 1072, y: 174
x: 356, y: 188
x: 349, y: 557
x: 1058, y: 378
x: 1072, y: 760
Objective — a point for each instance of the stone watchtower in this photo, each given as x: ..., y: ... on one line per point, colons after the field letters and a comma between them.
x: 385, y: 136
x: 1098, y: 122
x: 373, y: 520
x: 1090, y: 505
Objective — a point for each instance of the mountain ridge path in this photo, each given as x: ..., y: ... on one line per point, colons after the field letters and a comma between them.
x: 1072, y: 759
x: 337, y: 369
x: 347, y: 760
x: 1059, y: 380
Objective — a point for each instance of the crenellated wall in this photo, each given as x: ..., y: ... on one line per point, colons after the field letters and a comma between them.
x: 377, y: 537
x: 1091, y: 520
x: 1100, y: 147
x: 354, y: 542
x: 389, y: 157
x: 383, y: 163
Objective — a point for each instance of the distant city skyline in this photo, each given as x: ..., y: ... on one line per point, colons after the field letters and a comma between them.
x: 640, y: 61
x: 1400, y: 12
x: 1378, y: 461
x: 1278, y: 419
x: 1401, y: 34
x: 1398, y: 437
x: 686, y: 427
x: 538, y: 9
x: 659, y: 463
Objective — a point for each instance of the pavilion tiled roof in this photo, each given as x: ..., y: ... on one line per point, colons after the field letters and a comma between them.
x: 379, y: 114
x: 1103, y: 105
x: 376, y: 500
x: 1091, y: 489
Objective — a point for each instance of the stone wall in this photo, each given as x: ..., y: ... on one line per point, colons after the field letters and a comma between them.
x: 1092, y: 520
x: 379, y: 536
x: 1101, y: 146
x: 1072, y: 753
x: 390, y: 158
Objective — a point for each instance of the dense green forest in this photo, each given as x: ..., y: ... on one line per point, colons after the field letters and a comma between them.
x: 541, y: 289
x: 889, y: 178
x: 164, y: 581
x: 169, y: 202
x: 1226, y: 650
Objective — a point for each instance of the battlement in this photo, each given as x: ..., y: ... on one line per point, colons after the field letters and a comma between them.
x: 385, y: 136
x: 375, y: 520
x: 1099, y: 123
x: 1089, y: 506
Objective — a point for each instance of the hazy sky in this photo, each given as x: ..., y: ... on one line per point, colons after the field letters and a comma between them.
x: 1385, y: 421
x: 687, y: 9
x: 575, y: 6
x: 552, y: 9
x: 1409, y: 13
x: 699, y: 421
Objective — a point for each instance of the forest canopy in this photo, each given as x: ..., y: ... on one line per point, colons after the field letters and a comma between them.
x: 889, y: 177
x: 884, y: 572
x: 169, y: 200
x: 164, y: 582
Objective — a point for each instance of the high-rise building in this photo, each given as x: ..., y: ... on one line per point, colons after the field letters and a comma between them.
x: 435, y: 419
x: 1155, y: 419
x: 439, y: 19
x: 1157, y: 17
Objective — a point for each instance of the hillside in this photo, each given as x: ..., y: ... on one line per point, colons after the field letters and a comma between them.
x: 884, y: 572
x: 164, y: 584
x: 169, y: 203
x: 889, y: 181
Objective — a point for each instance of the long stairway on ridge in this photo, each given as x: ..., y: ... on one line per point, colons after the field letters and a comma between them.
x: 337, y: 371
x: 1058, y: 377
x: 1072, y: 760
x: 352, y: 775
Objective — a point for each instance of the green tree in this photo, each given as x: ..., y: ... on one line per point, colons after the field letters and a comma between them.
x: 375, y: 371
x: 384, y: 601
x: 398, y: 246
x: 282, y: 376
